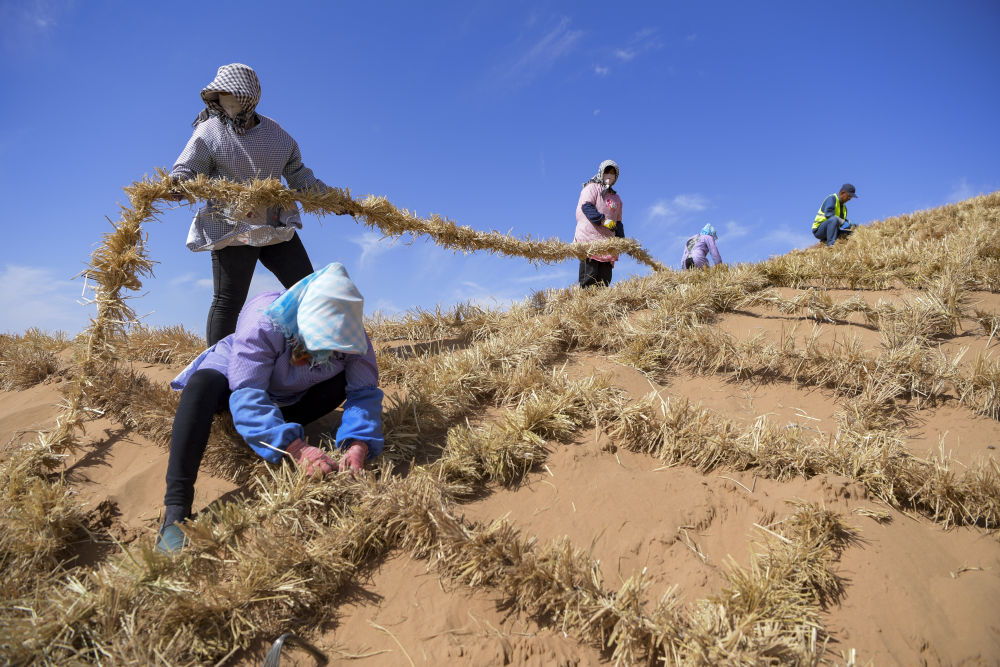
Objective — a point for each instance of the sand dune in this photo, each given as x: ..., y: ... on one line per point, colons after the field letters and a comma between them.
x: 910, y: 586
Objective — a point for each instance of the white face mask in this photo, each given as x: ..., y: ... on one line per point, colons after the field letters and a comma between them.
x: 230, y: 104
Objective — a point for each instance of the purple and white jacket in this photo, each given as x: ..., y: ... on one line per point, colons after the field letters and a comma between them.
x: 257, y: 361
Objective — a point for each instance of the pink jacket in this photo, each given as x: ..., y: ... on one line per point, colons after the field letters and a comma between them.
x: 609, y: 205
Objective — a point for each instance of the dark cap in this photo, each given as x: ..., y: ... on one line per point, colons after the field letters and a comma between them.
x: 849, y: 189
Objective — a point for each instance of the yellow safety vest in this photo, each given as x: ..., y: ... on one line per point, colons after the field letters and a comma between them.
x: 839, y: 210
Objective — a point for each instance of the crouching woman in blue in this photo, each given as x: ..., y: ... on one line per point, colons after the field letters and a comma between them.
x: 295, y: 356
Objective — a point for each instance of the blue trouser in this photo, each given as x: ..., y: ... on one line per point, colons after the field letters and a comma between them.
x: 829, y: 229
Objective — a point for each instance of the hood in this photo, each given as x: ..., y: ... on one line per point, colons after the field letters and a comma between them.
x: 599, y: 176
x: 324, y: 313
x: 241, y: 82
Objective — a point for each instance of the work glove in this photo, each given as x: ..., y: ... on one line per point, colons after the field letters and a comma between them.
x: 311, y: 459
x: 610, y: 224
x: 174, y: 194
x: 354, y: 458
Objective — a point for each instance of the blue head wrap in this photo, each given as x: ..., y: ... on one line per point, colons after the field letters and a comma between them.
x: 324, y: 313
x: 709, y: 230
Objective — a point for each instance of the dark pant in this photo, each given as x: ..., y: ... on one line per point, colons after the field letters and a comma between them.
x: 829, y: 230
x: 232, y: 271
x: 206, y: 392
x: 593, y: 272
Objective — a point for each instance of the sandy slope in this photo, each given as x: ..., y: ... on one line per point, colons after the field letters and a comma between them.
x: 914, y: 592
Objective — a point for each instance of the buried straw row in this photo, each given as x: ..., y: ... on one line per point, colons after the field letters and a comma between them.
x: 243, y: 577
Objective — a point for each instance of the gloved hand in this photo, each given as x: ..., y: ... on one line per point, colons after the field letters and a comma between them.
x: 311, y: 459
x: 173, y: 194
x: 610, y: 224
x: 354, y: 458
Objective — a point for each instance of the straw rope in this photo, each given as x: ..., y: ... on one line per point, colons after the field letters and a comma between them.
x: 377, y: 213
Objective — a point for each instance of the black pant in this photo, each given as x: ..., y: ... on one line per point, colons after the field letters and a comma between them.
x: 593, y: 272
x: 206, y: 392
x: 232, y: 270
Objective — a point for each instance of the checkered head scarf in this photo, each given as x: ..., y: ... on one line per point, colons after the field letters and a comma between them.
x: 242, y: 83
x: 322, y: 313
x: 599, y: 177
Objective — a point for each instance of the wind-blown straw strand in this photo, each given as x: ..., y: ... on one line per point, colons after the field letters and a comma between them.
x: 378, y: 213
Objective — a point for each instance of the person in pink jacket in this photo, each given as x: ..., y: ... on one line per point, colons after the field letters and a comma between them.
x: 599, y: 217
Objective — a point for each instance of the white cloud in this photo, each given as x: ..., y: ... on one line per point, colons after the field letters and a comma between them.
x: 678, y: 208
x: 659, y: 210
x: 543, y: 276
x: 371, y: 246
x: 641, y: 42
x: 597, y: 112
x: 733, y: 230
x: 385, y: 308
x: 601, y: 71
x: 691, y: 202
x: 263, y: 281
x: 486, y: 297
x: 186, y: 279
x: 787, y: 239
x: 539, y: 56
x: 24, y: 24
x: 961, y: 190
x: 34, y: 296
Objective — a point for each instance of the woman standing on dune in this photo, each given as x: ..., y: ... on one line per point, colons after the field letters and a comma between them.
x: 598, y: 218
x: 232, y: 141
x: 295, y: 356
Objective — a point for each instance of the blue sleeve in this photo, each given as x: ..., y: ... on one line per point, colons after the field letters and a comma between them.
x: 592, y: 213
x: 830, y: 206
x: 259, y: 421
x: 362, y: 420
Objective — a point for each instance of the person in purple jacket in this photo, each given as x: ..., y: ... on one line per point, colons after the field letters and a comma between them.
x: 598, y: 218
x: 698, y: 247
x: 295, y: 356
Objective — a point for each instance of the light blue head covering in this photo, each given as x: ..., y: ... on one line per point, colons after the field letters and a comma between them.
x: 709, y: 230
x: 324, y: 312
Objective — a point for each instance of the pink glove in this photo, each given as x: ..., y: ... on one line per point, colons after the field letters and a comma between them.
x: 354, y: 458
x: 312, y: 459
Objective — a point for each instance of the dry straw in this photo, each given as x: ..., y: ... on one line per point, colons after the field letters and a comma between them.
x: 378, y: 213
x: 283, y: 554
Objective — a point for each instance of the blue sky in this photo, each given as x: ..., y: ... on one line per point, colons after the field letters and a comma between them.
x: 743, y: 114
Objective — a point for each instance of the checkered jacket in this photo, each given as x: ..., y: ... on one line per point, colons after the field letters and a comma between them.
x: 264, y: 151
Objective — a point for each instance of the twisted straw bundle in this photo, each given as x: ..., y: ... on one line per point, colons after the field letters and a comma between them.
x: 378, y: 213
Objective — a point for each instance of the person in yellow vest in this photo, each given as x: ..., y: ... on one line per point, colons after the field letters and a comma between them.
x: 831, y: 221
